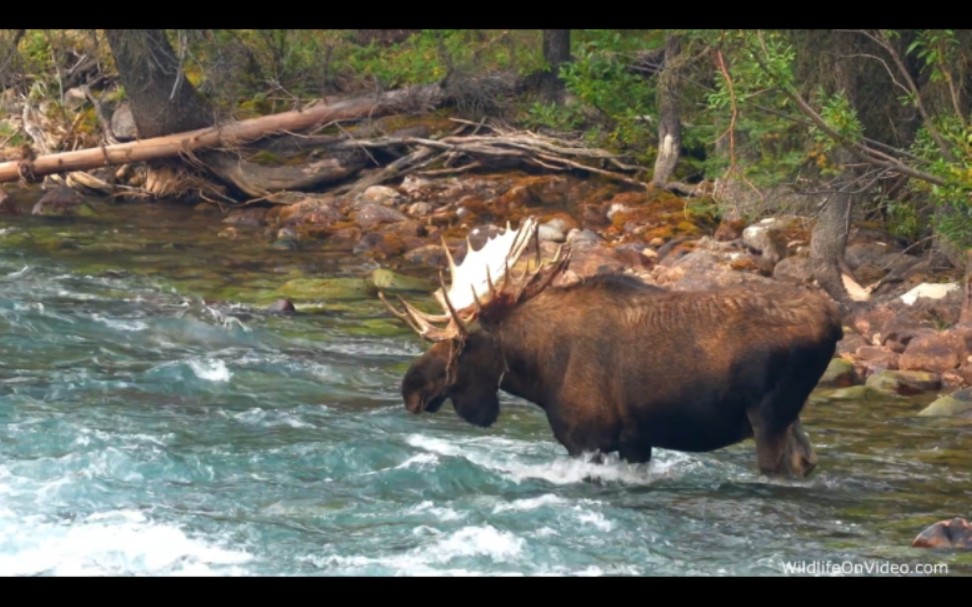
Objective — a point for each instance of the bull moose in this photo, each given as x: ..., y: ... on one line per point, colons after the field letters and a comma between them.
x: 619, y: 365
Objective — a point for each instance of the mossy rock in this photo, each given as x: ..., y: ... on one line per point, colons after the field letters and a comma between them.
x: 387, y: 280
x: 840, y: 373
x: 957, y: 404
x: 906, y: 383
x: 326, y: 289
x: 859, y: 393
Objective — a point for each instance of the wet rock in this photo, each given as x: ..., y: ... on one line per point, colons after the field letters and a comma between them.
x: 325, y: 289
x: 956, y: 404
x: 937, y: 352
x: 286, y: 240
x: 839, y: 374
x: 344, y: 238
x: 380, y: 195
x: 876, y: 358
x: 856, y: 393
x: 563, y: 223
x: 246, y: 217
x: 390, y: 240
x: 387, y: 280
x: 414, y: 185
x: 550, y: 234
x: 954, y: 534
x: 419, y: 209
x: 282, y: 306
x: 370, y: 216
x: 583, y: 238
x: 850, y: 344
x: 428, y: 255
x: 7, y: 205
x: 311, y: 211
x: 952, y: 381
x: 900, y: 331
x: 870, y: 320
x: 61, y: 201
x: 965, y: 372
x: 905, y: 383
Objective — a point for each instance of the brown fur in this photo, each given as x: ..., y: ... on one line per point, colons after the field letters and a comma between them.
x: 618, y: 365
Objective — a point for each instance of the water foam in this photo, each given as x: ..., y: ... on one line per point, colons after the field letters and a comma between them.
x: 468, y: 542
x: 122, y: 542
x: 562, y: 470
x: 210, y: 370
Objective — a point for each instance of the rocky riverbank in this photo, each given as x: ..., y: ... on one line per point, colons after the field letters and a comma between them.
x: 904, y: 340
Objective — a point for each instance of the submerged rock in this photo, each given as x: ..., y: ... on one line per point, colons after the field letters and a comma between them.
x: 62, y: 201
x: 387, y: 280
x: 905, y: 383
x: 956, y: 404
x: 858, y: 393
x: 282, y: 306
x: 325, y: 289
x: 7, y: 206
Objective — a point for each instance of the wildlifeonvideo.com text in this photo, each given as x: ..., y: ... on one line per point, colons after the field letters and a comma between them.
x: 867, y: 567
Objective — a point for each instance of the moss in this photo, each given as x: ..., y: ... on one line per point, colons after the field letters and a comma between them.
x: 326, y: 289
x: 663, y: 232
x: 392, y: 281
x: 687, y: 227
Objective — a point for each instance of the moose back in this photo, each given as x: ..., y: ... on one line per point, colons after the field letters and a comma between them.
x: 621, y: 366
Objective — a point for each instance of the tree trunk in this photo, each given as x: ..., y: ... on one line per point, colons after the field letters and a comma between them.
x: 829, y: 239
x: 669, y: 121
x: 966, y: 315
x: 229, y: 135
x: 163, y: 101
x: 556, y: 50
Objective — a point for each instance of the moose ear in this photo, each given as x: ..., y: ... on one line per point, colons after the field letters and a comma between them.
x: 477, y: 405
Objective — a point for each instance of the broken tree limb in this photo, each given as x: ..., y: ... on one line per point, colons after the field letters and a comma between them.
x: 232, y: 135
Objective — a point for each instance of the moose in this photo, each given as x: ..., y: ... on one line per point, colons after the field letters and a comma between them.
x: 619, y: 365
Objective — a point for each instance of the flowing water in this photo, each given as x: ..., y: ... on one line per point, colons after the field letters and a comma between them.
x: 147, y: 431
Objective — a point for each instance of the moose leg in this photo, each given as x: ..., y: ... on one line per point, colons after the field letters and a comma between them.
x: 782, y: 451
x: 634, y: 452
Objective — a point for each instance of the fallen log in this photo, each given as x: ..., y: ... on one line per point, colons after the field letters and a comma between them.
x: 231, y: 135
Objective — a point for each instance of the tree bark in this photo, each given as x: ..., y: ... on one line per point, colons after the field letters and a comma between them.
x: 965, y: 317
x: 829, y: 239
x: 669, y: 120
x: 827, y: 245
x: 556, y: 50
x: 163, y: 101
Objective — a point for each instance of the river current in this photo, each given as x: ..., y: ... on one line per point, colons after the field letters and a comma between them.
x: 154, y: 422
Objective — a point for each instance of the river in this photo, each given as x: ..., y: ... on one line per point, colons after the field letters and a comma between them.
x: 154, y: 423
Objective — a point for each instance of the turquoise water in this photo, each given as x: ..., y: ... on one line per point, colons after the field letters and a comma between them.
x: 144, y: 431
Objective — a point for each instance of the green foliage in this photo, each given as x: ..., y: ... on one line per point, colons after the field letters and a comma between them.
x: 611, y: 104
x: 937, y: 50
x: 954, y: 198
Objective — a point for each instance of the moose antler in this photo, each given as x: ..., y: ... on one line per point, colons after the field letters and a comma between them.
x: 483, y: 281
